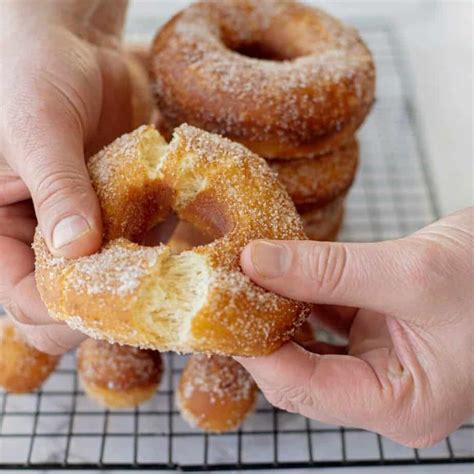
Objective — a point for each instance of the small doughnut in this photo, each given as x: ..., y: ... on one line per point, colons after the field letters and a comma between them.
x: 284, y: 79
x: 198, y: 300
x: 215, y: 393
x: 319, y: 180
x: 118, y: 376
x: 22, y: 367
x: 323, y: 223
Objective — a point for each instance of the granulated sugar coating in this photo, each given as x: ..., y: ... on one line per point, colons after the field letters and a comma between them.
x: 320, y: 180
x: 215, y: 393
x: 311, y: 82
x: 117, y: 367
x: 217, y: 376
x: 195, y: 301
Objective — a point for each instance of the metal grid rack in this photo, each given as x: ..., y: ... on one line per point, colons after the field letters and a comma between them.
x: 59, y: 428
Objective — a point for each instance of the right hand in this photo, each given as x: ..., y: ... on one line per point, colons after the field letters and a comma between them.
x: 406, y: 308
x: 66, y: 90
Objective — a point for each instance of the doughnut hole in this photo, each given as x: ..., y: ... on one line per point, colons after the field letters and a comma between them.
x: 181, y: 283
x: 259, y: 51
x: 186, y: 236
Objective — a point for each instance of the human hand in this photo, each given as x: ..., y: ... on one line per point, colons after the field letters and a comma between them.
x: 406, y: 307
x: 66, y: 90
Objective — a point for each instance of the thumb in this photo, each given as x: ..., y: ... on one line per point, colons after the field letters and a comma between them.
x: 380, y: 276
x: 335, y: 389
x: 48, y: 154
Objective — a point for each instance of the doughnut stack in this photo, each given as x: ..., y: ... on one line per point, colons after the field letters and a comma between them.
x: 288, y: 81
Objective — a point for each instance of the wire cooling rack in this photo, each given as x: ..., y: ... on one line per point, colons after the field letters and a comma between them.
x: 59, y: 428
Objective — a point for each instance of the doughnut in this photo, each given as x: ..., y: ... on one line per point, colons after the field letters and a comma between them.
x: 22, y: 367
x: 323, y: 223
x: 282, y: 78
x: 319, y: 180
x: 118, y: 376
x: 215, y: 393
x: 195, y: 301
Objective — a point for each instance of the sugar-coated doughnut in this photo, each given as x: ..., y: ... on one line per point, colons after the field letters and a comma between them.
x: 319, y: 180
x: 118, y: 376
x: 284, y: 79
x: 22, y: 367
x: 215, y: 393
x: 198, y: 300
x: 323, y: 223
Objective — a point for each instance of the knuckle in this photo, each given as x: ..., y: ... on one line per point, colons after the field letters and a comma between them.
x: 326, y: 266
x: 41, y: 339
x: 288, y: 398
x: 52, y: 187
x: 17, y: 315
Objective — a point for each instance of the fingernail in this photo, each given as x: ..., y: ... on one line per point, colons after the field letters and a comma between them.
x: 270, y: 260
x: 68, y: 230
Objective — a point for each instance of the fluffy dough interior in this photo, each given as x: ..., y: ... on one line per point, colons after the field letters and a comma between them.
x: 178, y: 292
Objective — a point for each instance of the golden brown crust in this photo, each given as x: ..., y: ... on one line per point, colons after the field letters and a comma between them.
x: 226, y: 192
x: 323, y: 223
x: 318, y: 181
x: 215, y: 393
x: 308, y: 101
x: 118, y: 398
x: 118, y: 376
x: 22, y: 367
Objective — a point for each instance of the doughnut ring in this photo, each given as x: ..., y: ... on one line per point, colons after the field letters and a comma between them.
x: 118, y: 376
x: 22, y: 367
x: 284, y: 79
x: 196, y: 301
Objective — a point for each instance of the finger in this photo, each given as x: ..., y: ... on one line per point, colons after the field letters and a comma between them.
x: 17, y: 285
x: 12, y: 189
x: 380, y: 276
x: 117, y: 109
x: 141, y: 52
x: 18, y: 221
x: 52, y: 339
x: 21, y: 300
x: 335, y: 389
x: 46, y: 149
x: 369, y: 333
